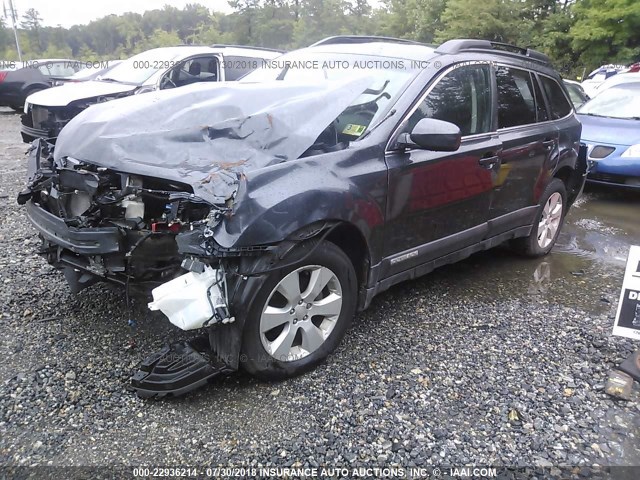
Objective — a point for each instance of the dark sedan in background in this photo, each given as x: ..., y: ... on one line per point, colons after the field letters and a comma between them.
x: 20, y: 79
x: 611, y: 131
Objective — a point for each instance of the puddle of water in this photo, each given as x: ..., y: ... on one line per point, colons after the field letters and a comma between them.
x: 584, y: 270
x: 602, y: 225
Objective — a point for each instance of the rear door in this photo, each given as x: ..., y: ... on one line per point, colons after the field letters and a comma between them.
x: 438, y: 202
x: 529, y: 145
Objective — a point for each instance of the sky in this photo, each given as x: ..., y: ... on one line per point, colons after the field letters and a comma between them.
x: 75, y: 12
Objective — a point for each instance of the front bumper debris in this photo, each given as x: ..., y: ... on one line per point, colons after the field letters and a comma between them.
x: 94, y: 241
x: 178, y: 369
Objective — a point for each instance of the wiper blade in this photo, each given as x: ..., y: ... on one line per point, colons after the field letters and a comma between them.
x: 391, y: 113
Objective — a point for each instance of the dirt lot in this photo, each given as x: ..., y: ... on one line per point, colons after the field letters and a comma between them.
x: 498, y: 360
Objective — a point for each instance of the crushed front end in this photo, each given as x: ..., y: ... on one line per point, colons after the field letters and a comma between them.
x: 98, y: 224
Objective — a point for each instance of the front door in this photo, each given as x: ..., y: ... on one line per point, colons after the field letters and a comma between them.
x: 438, y: 202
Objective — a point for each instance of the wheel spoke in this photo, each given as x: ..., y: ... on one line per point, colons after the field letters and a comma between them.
x: 542, y: 239
x: 328, y: 307
x: 557, y: 211
x: 296, y: 336
x: 541, y: 225
x: 319, y: 279
x: 274, y: 317
x: 281, y: 346
x: 312, y: 337
x: 289, y: 287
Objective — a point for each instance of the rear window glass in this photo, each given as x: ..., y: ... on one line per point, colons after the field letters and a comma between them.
x: 516, y: 100
x: 560, y: 106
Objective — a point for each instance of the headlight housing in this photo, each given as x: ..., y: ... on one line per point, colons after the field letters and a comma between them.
x: 632, y: 152
x: 26, y: 107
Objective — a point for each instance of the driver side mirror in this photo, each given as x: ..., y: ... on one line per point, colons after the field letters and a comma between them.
x: 432, y: 134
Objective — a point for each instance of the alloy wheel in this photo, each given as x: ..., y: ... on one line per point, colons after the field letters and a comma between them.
x: 300, y: 313
x: 550, y: 220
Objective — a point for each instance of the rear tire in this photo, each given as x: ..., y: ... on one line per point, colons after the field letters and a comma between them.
x: 547, y: 223
x: 301, y: 312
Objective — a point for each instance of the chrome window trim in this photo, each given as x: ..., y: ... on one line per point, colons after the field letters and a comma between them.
x: 491, y: 63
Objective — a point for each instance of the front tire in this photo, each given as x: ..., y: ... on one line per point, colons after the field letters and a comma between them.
x: 548, y: 222
x: 300, y: 313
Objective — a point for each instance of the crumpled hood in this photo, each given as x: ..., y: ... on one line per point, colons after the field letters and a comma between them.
x: 70, y: 92
x: 207, y: 136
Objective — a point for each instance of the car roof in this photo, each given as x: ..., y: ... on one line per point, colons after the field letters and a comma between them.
x: 622, y: 78
x: 378, y: 48
x: 47, y: 60
x: 459, y: 48
x: 626, y: 86
x: 183, y: 51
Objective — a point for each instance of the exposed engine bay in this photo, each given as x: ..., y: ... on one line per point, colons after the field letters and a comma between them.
x: 146, y: 214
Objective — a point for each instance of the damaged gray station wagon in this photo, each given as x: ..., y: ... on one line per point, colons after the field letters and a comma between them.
x: 270, y: 210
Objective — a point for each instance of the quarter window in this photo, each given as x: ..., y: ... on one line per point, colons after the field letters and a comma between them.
x: 516, y: 100
x: 559, y: 104
x: 462, y: 97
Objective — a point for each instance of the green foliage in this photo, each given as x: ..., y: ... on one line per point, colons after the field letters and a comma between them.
x: 496, y: 20
x: 606, y: 29
x: 577, y: 34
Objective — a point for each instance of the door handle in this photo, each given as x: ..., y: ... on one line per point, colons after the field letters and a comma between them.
x: 489, y: 160
x: 548, y: 143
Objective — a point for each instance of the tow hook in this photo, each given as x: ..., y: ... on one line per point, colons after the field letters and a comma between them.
x: 178, y: 369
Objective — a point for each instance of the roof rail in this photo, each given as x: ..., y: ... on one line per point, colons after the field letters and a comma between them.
x: 248, y: 47
x: 467, y: 45
x: 342, y: 39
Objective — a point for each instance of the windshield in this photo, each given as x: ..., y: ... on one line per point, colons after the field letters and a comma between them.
x: 616, y: 102
x: 389, y: 77
x: 140, y: 68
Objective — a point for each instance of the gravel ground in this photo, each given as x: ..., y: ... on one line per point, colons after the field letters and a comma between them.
x: 497, y: 360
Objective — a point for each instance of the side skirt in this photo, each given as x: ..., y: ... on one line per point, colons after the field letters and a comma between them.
x: 367, y: 295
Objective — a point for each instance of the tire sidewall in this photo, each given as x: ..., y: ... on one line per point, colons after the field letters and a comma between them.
x: 255, y: 358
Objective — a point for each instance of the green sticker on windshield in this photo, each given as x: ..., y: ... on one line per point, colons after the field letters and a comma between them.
x: 355, y: 130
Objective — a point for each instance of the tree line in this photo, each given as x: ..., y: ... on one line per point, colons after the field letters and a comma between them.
x: 576, y: 34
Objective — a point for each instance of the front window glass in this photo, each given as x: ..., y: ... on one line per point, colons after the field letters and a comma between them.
x: 195, y: 70
x: 461, y: 97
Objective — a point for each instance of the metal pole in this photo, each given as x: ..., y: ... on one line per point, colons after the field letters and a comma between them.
x: 15, y: 30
